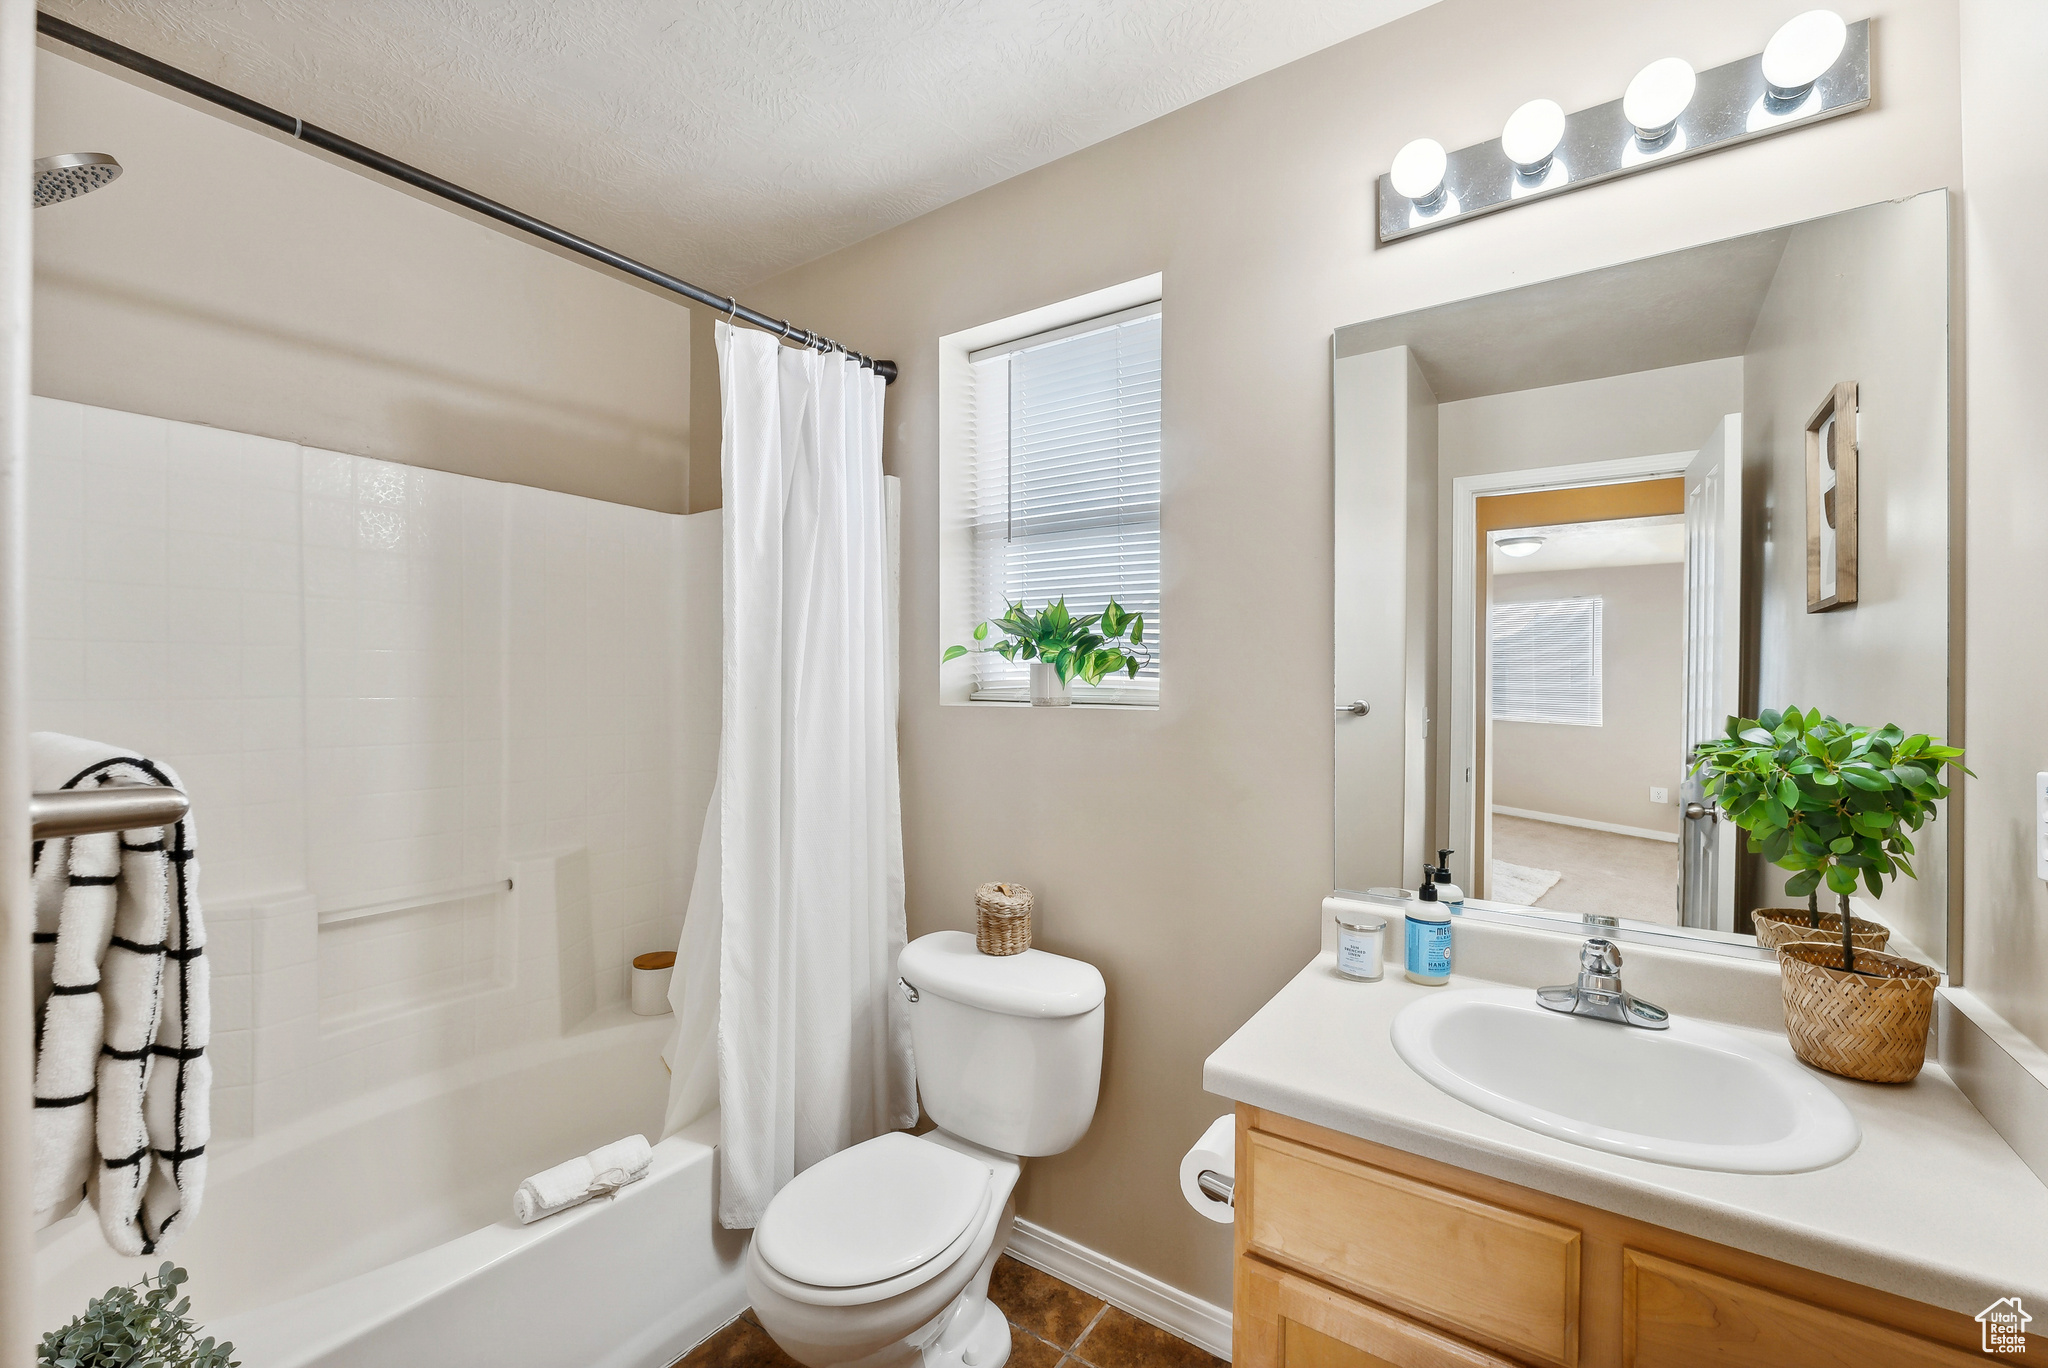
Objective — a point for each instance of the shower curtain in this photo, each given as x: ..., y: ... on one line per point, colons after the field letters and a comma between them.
x: 787, y: 967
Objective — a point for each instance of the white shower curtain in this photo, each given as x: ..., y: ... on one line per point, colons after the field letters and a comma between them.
x: 797, y: 928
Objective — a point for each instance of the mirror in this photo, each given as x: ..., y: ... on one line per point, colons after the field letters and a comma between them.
x: 1582, y: 522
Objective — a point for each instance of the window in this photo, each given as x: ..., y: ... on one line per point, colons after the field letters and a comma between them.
x: 1063, y: 486
x: 1545, y: 661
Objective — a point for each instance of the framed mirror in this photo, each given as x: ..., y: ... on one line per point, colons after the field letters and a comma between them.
x: 1581, y: 523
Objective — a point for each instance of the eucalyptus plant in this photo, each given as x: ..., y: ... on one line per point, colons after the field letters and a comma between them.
x: 1827, y: 800
x: 136, y: 1327
x: 1089, y: 647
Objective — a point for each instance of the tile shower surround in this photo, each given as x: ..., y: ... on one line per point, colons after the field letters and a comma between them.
x: 383, y: 686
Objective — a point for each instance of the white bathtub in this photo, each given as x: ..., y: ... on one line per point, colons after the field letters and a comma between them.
x: 379, y: 1232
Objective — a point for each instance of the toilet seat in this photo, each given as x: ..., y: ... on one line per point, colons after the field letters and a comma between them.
x: 874, y: 1220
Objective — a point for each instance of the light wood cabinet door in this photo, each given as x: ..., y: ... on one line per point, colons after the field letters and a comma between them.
x: 1677, y: 1316
x: 1287, y: 1321
x: 1501, y: 1277
x: 1303, y: 1347
x: 1354, y: 1255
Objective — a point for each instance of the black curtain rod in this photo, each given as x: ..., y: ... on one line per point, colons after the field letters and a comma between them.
x: 77, y: 37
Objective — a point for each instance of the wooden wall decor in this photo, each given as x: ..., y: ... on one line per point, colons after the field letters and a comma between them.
x: 1831, y: 501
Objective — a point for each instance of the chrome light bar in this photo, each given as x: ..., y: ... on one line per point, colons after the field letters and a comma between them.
x: 1732, y: 104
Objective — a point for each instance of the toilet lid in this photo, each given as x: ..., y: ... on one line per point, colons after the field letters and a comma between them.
x: 877, y: 1210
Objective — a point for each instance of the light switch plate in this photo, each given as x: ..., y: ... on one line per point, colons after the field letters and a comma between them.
x: 1663, y: 795
x: 2041, y: 826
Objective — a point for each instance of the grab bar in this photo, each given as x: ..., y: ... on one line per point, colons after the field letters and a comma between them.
x: 117, y: 807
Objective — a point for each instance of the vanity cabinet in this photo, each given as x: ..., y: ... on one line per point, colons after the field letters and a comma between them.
x: 1354, y: 1255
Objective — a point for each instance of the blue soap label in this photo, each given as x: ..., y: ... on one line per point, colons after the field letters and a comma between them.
x: 1429, y: 948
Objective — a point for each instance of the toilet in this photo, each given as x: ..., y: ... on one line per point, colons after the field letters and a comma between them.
x: 880, y: 1255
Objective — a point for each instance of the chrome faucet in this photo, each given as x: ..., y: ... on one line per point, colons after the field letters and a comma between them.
x: 1599, y: 993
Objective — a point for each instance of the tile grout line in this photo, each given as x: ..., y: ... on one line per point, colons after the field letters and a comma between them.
x: 1093, y: 1321
x: 1029, y: 1333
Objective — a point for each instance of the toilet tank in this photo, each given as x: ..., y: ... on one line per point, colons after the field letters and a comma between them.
x: 1009, y: 1047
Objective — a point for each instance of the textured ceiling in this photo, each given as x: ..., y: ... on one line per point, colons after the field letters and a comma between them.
x: 726, y: 142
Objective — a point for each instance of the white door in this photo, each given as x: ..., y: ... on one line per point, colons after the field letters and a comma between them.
x: 1713, y: 668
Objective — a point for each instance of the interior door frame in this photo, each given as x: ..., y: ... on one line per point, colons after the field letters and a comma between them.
x: 1467, y: 793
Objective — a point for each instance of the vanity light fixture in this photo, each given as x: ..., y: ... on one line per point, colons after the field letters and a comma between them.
x: 1519, y: 546
x: 1657, y: 97
x: 1803, y: 50
x: 1816, y: 68
x: 1418, y: 172
x: 1531, y: 136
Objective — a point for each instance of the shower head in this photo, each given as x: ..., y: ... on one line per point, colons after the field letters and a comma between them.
x: 71, y: 174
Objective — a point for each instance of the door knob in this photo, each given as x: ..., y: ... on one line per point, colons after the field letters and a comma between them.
x: 1697, y: 811
x: 1358, y: 708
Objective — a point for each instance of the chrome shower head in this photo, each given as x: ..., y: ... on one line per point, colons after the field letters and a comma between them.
x: 71, y: 174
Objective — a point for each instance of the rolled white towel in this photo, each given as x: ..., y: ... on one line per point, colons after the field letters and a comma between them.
x: 553, y: 1190
x: 622, y: 1161
x: 598, y: 1173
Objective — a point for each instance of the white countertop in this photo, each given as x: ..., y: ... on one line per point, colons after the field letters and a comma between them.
x: 1933, y: 1205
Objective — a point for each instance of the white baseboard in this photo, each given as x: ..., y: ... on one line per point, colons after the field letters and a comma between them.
x: 1588, y: 823
x: 1144, y: 1296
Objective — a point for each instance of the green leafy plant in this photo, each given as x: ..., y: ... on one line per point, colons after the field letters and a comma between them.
x: 1827, y: 800
x: 1089, y: 647
x: 136, y: 1327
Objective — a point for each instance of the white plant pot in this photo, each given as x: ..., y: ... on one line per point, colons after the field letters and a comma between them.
x: 1046, y: 689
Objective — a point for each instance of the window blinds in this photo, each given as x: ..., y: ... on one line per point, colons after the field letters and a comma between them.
x: 1065, y: 486
x: 1545, y: 661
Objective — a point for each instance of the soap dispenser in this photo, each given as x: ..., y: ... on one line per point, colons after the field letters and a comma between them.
x: 1428, y: 931
x: 1446, y: 891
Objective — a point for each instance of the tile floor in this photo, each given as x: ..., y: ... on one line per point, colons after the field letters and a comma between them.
x: 1052, y: 1325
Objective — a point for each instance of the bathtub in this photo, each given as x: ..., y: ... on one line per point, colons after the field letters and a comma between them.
x: 379, y: 1231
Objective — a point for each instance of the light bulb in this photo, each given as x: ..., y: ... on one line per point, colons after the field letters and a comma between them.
x: 1801, y: 51
x: 1418, y: 171
x: 1657, y: 96
x: 1519, y: 546
x: 1532, y: 135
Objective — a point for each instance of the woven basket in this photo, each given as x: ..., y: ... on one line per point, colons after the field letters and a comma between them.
x: 1002, y: 919
x: 1871, y: 1024
x: 1775, y: 926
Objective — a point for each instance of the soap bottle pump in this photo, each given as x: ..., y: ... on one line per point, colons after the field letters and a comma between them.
x: 1428, y: 932
x: 1446, y: 891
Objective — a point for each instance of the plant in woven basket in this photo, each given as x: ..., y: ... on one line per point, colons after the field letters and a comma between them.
x: 1830, y: 801
x: 1089, y: 648
x: 143, y: 1326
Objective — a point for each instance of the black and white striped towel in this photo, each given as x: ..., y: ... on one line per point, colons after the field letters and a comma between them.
x: 121, y: 1012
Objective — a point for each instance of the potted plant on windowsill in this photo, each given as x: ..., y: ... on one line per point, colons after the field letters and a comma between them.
x: 1834, y: 803
x: 1062, y: 648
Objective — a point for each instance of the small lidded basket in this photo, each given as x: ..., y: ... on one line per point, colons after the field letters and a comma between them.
x: 1002, y: 919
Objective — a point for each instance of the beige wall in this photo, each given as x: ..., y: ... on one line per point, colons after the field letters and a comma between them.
x: 1643, y: 413
x: 1604, y: 773
x: 1860, y: 297
x: 1196, y: 890
x: 2005, y: 203
x: 234, y: 279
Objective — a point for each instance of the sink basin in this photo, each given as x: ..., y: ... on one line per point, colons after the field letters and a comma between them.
x: 1695, y: 1096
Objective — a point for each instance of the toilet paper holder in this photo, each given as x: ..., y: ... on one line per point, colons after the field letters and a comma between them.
x: 1217, y: 1187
